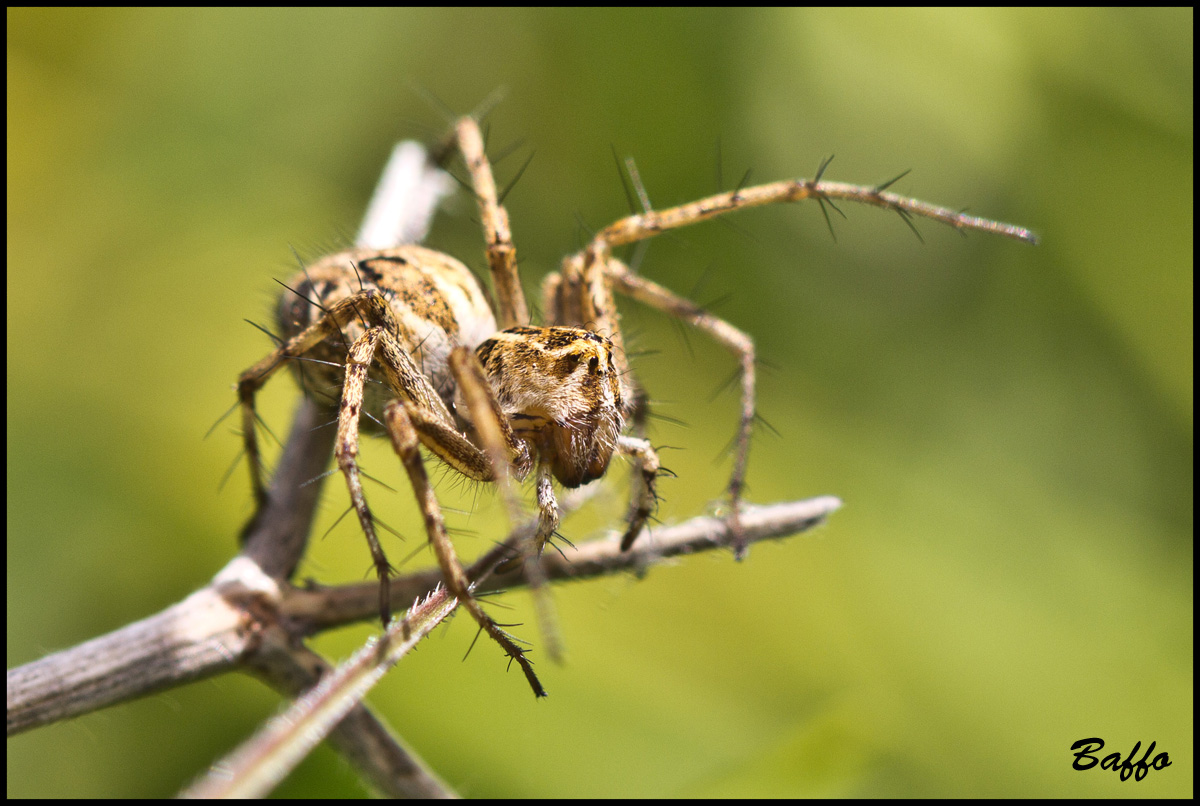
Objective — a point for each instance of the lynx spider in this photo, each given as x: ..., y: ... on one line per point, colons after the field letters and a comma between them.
x: 489, y: 394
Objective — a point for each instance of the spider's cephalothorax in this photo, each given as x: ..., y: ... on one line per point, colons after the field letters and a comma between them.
x: 405, y: 335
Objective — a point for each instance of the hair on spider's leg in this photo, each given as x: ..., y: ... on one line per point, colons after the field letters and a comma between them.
x: 309, y: 300
x: 760, y: 420
x: 733, y: 378
x: 624, y: 182
x: 882, y: 186
x: 906, y: 217
x: 383, y: 525
x: 962, y: 233
x: 742, y: 183
x: 638, y: 187
x: 304, y: 268
x: 513, y: 182
x: 220, y: 420
x: 666, y: 418
x: 553, y: 541
x: 237, y: 460
x: 637, y: 256
x: 509, y: 149
x: 261, y: 423
x: 337, y: 520
x: 581, y: 227
x: 431, y: 98
x: 488, y: 104
x: 823, y: 200
x: 816, y: 180
x: 278, y: 341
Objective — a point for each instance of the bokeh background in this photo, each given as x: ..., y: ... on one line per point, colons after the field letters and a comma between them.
x: 1010, y: 427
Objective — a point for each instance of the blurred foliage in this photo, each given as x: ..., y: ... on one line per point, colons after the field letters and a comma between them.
x: 1010, y: 427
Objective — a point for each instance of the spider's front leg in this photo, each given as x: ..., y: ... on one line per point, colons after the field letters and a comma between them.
x: 645, y: 486
x: 345, y: 451
x: 405, y: 440
x: 507, y: 453
x: 501, y: 254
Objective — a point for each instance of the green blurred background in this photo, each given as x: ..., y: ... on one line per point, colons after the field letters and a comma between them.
x: 1010, y: 427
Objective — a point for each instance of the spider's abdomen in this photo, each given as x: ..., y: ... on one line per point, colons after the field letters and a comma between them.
x: 436, y: 301
x: 562, y: 394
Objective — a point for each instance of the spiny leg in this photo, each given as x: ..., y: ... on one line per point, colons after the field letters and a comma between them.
x: 737, y: 342
x: 592, y: 275
x: 405, y: 441
x: 420, y: 417
x: 641, y: 226
x: 500, y: 442
x: 253, y: 379
x: 645, y: 486
x: 345, y: 451
x: 644, y: 498
x: 593, y: 269
x: 501, y: 254
x: 380, y: 345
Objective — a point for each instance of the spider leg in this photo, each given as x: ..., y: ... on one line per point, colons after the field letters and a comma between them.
x: 417, y: 416
x: 645, y: 486
x: 737, y: 342
x: 584, y: 288
x: 405, y: 440
x: 500, y: 443
x: 595, y: 273
x: 379, y: 346
x: 346, y: 453
x: 501, y: 254
x: 640, y: 226
x: 552, y: 300
x: 733, y: 340
x: 562, y: 295
x: 253, y: 379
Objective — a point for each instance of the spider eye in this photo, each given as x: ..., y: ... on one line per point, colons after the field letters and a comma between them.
x: 593, y: 365
x: 568, y: 364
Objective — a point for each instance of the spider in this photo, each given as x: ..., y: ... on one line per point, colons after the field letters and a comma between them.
x: 406, y: 335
